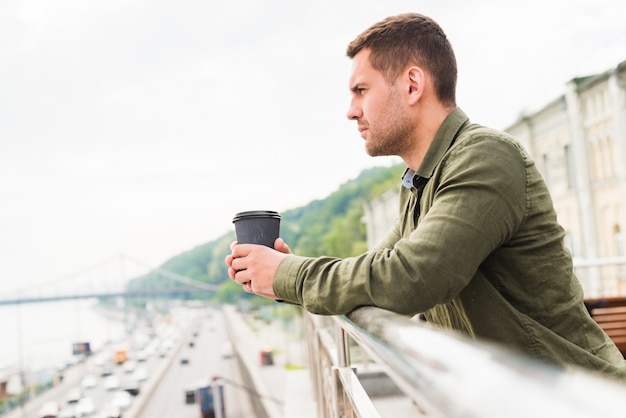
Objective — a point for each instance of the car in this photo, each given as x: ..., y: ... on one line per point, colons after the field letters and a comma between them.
x: 129, y: 366
x: 121, y: 399
x: 184, y: 360
x: 110, y: 411
x: 142, y: 355
x: 89, y: 381
x: 191, y: 390
x: 140, y: 374
x: 99, y: 360
x: 74, y: 395
x: 49, y: 409
x: 107, y: 370
x: 85, y: 407
x: 267, y: 357
x: 190, y: 394
x: 131, y: 386
x: 111, y: 383
x: 120, y: 356
x: 227, y: 349
x: 74, y: 360
x: 68, y: 412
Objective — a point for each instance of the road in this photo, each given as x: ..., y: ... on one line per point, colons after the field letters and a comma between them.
x: 205, y: 361
x: 161, y: 394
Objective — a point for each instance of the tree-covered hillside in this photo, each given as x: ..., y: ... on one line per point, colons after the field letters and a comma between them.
x: 330, y: 226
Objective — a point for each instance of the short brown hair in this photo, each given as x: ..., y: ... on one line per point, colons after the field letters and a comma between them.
x: 410, y: 38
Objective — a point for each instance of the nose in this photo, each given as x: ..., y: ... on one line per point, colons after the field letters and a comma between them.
x: 354, y: 112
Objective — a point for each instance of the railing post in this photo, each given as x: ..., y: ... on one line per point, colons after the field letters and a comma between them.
x: 343, y: 347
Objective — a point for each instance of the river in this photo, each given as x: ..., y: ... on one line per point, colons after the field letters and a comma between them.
x: 39, y: 336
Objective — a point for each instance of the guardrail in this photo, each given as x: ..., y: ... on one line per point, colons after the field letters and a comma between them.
x: 445, y: 374
x: 601, y: 277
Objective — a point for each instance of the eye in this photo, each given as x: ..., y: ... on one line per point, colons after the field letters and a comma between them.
x: 358, y: 90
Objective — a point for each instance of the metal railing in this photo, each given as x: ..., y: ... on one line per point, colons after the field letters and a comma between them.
x: 601, y: 277
x: 444, y: 374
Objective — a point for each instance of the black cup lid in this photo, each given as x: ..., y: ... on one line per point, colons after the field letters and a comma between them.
x: 256, y: 214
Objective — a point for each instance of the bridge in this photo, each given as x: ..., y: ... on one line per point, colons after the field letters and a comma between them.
x: 98, y: 281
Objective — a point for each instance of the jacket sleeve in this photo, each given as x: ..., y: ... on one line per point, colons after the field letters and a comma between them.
x: 475, y: 203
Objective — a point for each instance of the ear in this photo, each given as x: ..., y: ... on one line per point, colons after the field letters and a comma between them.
x: 416, y: 82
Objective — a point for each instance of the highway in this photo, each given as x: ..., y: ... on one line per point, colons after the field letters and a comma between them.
x: 156, y: 353
x: 158, y: 348
x: 206, y: 360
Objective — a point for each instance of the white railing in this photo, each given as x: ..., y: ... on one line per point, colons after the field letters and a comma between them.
x: 602, y: 277
x: 444, y: 374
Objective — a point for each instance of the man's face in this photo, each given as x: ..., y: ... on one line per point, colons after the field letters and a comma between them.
x: 377, y: 107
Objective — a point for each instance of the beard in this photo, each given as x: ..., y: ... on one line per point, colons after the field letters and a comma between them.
x: 391, y: 132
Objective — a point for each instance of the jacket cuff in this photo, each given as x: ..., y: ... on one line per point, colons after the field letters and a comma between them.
x: 287, y: 286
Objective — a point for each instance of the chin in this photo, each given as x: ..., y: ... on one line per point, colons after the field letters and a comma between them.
x: 373, y: 152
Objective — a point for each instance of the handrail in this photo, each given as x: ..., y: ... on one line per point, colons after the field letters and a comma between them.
x: 601, y: 277
x: 449, y: 375
x: 597, y: 262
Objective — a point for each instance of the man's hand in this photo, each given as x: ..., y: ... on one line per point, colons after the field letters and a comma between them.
x: 254, y: 266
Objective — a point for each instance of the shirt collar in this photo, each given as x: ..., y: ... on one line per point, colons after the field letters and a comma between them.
x: 444, y: 138
x: 407, y: 178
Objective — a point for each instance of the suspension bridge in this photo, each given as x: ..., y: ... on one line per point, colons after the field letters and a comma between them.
x: 106, y: 279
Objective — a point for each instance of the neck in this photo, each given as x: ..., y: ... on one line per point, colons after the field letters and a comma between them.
x: 428, y: 123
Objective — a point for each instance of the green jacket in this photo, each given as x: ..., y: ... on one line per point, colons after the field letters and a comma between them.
x: 477, y: 248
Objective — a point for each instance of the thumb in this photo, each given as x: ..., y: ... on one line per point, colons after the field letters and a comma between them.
x: 280, y: 245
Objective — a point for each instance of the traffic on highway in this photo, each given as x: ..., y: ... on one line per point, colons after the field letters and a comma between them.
x: 166, y: 369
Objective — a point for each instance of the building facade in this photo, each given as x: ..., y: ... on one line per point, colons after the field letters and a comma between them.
x: 578, y: 142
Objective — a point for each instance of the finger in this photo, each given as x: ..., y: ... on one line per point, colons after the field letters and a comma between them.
x: 280, y: 245
x: 238, y: 264
x: 241, y: 277
x: 247, y: 287
x: 240, y: 250
x: 254, y: 286
x: 232, y: 245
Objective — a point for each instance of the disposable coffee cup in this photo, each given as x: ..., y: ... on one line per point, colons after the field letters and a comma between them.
x: 257, y: 227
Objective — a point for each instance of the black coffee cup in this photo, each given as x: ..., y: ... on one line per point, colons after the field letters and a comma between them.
x: 257, y: 227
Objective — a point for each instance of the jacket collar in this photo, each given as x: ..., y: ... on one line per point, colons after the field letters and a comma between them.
x: 444, y: 138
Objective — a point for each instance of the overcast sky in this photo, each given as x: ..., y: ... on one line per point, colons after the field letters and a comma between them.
x: 140, y: 127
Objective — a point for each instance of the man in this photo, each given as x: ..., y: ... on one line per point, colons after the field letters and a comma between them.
x: 476, y: 248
